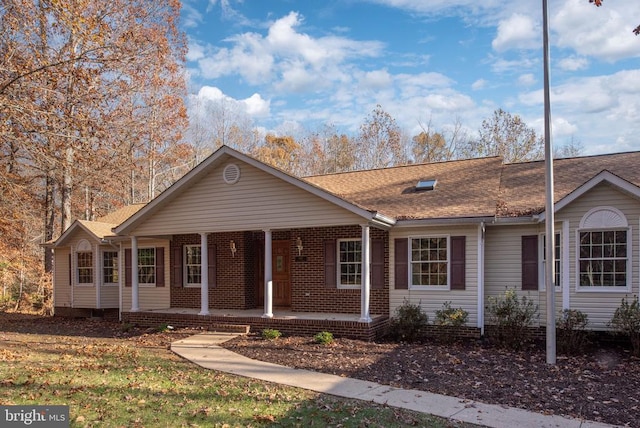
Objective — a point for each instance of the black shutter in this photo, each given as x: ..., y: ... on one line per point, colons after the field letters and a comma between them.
x: 377, y: 263
x: 401, y: 263
x: 127, y: 267
x: 330, y: 273
x: 458, y: 250
x: 176, y: 267
x: 211, y: 260
x: 530, y: 262
x: 159, y: 266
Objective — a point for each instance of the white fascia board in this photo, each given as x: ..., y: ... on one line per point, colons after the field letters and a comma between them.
x: 443, y: 221
x: 75, y: 225
x: 204, y: 167
x: 603, y: 176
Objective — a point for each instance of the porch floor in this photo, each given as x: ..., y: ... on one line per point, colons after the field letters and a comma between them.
x: 287, y: 321
x: 280, y: 314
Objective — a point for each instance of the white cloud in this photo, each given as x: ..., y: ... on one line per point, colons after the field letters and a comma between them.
x: 573, y: 63
x: 527, y: 79
x: 516, y: 32
x: 376, y: 79
x: 196, y: 50
x: 254, y: 106
x: 479, y: 84
x: 602, y: 32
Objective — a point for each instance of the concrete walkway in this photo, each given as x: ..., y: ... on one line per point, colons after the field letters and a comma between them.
x: 204, y: 350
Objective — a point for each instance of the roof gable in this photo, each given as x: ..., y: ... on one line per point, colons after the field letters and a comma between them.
x: 218, y: 159
x: 95, y: 229
x: 603, y: 177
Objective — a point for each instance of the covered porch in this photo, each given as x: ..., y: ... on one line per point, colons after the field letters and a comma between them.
x: 286, y: 321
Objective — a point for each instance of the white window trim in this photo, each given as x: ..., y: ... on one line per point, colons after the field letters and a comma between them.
x: 338, y: 264
x: 109, y: 284
x: 542, y: 262
x: 410, y: 267
x: 184, y: 266
x: 609, y: 288
x: 155, y: 269
x: 77, y: 270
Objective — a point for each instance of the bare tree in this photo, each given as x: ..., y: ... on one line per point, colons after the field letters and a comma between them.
x: 507, y: 136
x: 380, y: 141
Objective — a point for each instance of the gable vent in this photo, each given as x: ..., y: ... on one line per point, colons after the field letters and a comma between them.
x: 231, y: 174
x: 426, y: 184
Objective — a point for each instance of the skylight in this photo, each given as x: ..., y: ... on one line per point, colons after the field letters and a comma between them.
x: 426, y: 184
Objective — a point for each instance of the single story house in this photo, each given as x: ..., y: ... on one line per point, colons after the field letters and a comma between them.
x: 236, y: 241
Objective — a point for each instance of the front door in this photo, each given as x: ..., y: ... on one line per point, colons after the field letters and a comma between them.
x: 281, y: 271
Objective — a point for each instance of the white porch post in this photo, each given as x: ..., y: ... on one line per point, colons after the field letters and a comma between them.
x: 365, y: 279
x: 204, y: 275
x: 268, y: 276
x: 135, y: 307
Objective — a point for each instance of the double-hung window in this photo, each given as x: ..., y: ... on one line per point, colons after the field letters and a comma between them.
x: 193, y: 265
x: 350, y: 263
x: 430, y: 261
x: 557, y: 259
x: 147, y: 266
x: 603, y: 258
x: 110, y: 267
x: 85, y: 268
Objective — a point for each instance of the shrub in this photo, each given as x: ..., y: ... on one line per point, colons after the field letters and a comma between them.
x: 408, y: 322
x: 571, y: 330
x: 323, y: 338
x: 448, y: 316
x: 626, y: 321
x: 271, y: 334
x: 513, y: 317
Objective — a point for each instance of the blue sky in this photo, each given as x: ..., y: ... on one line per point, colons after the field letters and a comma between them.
x: 293, y: 66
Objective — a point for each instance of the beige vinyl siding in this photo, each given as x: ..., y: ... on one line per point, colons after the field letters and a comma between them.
x: 503, y: 265
x: 432, y: 300
x: 84, y: 295
x: 109, y: 296
x: 149, y: 297
x: 257, y: 201
x: 598, y: 305
x: 61, y: 280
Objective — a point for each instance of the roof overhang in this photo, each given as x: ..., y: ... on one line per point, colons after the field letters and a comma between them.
x: 602, y: 177
x: 433, y: 222
x: 220, y: 156
x: 75, y: 226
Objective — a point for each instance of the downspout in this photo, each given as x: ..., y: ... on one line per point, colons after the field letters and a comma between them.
x: 481, y: 233
x: 72, y: 273
x: 120, y: 279
x: 97, y: 276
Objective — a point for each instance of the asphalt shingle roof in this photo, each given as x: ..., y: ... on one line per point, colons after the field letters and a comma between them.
x: 471, y: 188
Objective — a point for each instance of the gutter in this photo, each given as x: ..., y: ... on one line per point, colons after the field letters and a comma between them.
x: 444, y: 221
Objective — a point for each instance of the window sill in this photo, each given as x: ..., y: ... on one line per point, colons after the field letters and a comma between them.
x: 603, y: 289
x: 348, y: 287
x: 429, y: 287
x: 193, y: 286
x: 84, y: 285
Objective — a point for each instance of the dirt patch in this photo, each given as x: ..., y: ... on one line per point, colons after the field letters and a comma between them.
x: 601, y: 386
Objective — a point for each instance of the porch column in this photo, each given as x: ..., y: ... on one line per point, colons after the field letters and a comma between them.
x: 135, y: 307
x: 365, y: 279
x: 268, y: 276
x: 204, y: 275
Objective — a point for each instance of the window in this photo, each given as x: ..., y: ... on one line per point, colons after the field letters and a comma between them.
x: 350, y: 262
x: 85, y: 268
x: 146, y: 266
x: 557, y: 259
x: 110, y: 267
x: 193, y: 265
x: 603, y: 259
x: 429, y: 261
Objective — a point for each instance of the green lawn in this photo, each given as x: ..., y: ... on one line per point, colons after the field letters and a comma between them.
x: 125, y: 383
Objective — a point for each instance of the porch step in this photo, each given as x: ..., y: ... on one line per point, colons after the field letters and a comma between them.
x: 228, y: 328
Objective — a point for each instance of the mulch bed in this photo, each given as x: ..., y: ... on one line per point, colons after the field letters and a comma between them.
x: 603, y: 385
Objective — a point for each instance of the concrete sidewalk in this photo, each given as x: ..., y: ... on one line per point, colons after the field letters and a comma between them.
x: 204, y: 350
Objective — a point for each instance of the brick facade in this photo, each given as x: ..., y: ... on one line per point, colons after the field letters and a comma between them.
x: 237, y: 276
